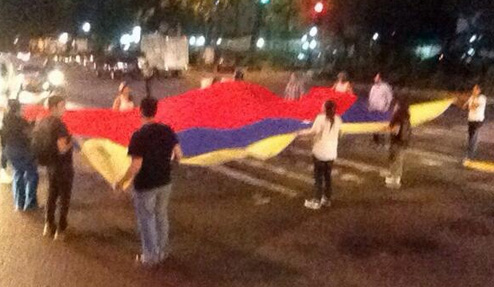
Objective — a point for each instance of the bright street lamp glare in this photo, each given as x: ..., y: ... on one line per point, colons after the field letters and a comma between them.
x: 313, y: 44
x: 313, y: 31
x: 318, y: 7
x: 304, y: 38
x: 473, y: 39
x: 260, y: 43
x: 86, y: 27
x: 192, y: 41
x: 136, y: 34
x: 125, y: 40
x: 201, y: 41
x: 301, y: 56
x: 218, y: 42
x: 375, y: 37
x: 305, y: 46
x: 63, y: 38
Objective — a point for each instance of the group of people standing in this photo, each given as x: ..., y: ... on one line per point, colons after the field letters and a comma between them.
x: 47, y: 143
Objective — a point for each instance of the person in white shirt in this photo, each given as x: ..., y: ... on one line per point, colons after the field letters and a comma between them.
x: 326, y: 130
x: 295, y: 88
x: 342, y: 84
x: 380, y: 98
x: 476, y: 115
x: 123, y: 102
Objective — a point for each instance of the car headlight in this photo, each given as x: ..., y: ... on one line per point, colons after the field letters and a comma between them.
x: 56, y: 78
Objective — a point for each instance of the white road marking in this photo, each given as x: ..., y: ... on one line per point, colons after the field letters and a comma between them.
x: 363, y: 167
x: 351, y: 178
x: 254, y: 181
x: 277, y: 170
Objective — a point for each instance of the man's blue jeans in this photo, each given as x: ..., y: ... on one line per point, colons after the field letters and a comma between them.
x: 151, y: 208
x: 25, y: 183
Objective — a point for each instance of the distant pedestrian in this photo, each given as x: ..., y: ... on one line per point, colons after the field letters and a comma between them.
x: 326, y: 130
x: 152, y: 149
x: 17, y: 138
x: 401, y: 131
x: 123, y: 102
x: 476, y: 105
x: 53, y: 146
x: 295, y: 88
x: 238, y: 75
x: 380, y: 98
x: 342, y: 84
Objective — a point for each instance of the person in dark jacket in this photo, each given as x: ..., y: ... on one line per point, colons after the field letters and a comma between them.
x: 16, y: 137
x: 401, y: 130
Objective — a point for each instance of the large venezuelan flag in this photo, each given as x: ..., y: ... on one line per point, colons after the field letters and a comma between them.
x: 224, y: 122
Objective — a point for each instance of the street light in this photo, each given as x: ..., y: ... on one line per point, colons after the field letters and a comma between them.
x: 63, y: 38
x: 313, y: 44
x: 319, y: 7
x: 192, y: 40
x: 301, y: 56
x: 473, y: 39
x: 201, y: 41
x: 375, y: 36
x: 304, y: 38
x: 305, y: 46
x: 86, y: 27
x: 313, y: 31
x: 218, y: 42
x: 260, y: 43
x: 136, y: 34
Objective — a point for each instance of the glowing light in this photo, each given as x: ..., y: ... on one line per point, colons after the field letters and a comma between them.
x: 86, y: 27
x: 375, y: 36
x: 313, y: 44
x: 301, y: 56
x: 313, y: 31
x: 304, y: 38
x: 63, y: 38
x: 136, y: 34
x: 218, y: 42
x: 201, y: 41
x: 46, y: 86
x: 471, y: 52
x: 305, y: 46
x: 473, y: 39
x: 318, y: 7
x: 260, y: 43
x: 125, y: 40
x: 56, y: 78
x: 192, y: 41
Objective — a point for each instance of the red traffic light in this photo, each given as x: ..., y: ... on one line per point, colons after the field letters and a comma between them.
x: 319, y: 7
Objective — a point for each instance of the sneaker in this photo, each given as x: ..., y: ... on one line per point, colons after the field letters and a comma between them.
x: 141, y: 261
x: 60, y: 236
x: 312, y: 204
x: 393, y: 182
x: 325, y: 201
x: 47, y: 232
x: 5, y: 177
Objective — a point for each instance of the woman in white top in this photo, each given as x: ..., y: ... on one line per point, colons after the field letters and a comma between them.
x: 295, y: 88
x: 123, y: 102
x: 342, y: 84
x: 326, y: 130
x: 476, y: 115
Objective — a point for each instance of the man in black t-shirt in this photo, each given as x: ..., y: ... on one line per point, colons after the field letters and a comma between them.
x: 60, y: 167
x: 152, y: 148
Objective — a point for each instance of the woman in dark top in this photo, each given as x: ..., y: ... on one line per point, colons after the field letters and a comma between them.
x: 401, y: 130
x: 16, y: 137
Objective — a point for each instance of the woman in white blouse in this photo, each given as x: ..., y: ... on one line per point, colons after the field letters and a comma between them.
x: 326, y: 130
x: 342, y: 84
x: 123, y: 102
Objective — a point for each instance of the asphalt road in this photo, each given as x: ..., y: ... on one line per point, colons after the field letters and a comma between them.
x: 243, y: 223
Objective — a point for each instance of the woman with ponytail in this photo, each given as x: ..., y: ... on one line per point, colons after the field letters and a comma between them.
x: 326, y: 130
